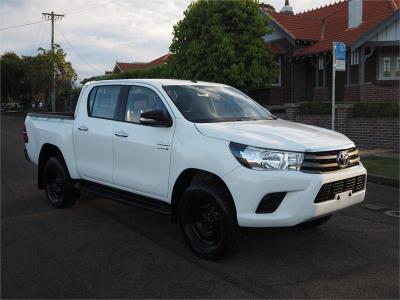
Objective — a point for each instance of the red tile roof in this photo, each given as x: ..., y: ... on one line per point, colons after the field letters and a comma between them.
x: 138, y: 66
x: 130, y: 66
x: 330, y: 23
x: 300, y: 27
x: 159, y: 61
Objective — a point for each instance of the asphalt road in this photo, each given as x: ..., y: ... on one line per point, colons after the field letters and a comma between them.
x: 102, y: 249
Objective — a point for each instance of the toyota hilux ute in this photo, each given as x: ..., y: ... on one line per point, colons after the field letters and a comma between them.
x: 205, y: 153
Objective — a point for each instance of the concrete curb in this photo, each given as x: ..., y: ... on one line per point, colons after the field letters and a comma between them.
x: 383, y: 180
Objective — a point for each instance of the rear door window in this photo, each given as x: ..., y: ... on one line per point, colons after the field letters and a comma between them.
x: 103, y: 101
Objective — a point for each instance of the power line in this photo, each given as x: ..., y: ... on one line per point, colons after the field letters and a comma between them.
x: 39, y: 38
x: 78, y: 11
x: 76, y: 51
x: 21, y: 25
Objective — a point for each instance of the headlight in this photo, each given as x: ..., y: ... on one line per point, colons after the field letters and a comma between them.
x: 264, y: 159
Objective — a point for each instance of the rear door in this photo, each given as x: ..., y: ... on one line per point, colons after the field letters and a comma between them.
x: 94, y: 133
x: 142, y: 152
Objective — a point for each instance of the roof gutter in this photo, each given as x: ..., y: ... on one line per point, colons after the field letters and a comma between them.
x: 279, y: 28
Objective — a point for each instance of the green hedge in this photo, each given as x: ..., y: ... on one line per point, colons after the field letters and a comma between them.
x: 315, y: 108
x: 157, y: 72
x: 376, y: 110
x: 162, y: 71
x: 277, y: 110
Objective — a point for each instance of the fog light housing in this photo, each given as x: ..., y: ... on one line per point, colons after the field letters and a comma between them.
x: 270, y: 203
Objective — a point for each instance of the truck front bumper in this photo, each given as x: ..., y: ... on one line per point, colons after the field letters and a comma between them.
x: 248, y: 188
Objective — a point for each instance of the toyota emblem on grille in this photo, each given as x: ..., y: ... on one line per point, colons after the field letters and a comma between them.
x: 343, y: 159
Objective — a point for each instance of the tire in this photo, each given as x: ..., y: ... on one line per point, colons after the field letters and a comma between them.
x: 208, y: 221
x: 58, y: 185
x: 314, y: 223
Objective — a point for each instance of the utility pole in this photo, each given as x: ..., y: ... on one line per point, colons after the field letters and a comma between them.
x: 53, y: 17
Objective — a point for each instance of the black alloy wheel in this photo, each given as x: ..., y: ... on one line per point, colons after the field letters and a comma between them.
x: 208, y: 220
x: 58, y: 184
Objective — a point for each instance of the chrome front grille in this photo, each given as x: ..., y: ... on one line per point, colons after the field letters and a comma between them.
x: 329, y: 190
x: 327, y: 161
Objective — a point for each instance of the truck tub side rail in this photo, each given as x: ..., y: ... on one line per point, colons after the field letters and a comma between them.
x: 53, y: 115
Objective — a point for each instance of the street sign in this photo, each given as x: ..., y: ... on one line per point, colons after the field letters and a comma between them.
x: 340, y: 53
x: 338, y: 64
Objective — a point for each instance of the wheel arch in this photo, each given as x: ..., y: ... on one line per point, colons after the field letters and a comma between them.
x: 189, y: 176
x: 46, y: 152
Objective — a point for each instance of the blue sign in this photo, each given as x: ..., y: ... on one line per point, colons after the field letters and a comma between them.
x: 340, y: 55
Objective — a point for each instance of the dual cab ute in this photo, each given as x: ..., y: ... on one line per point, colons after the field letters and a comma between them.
x: 203, y: 152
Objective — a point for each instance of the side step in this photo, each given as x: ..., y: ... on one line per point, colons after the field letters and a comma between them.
x: 125, y: 197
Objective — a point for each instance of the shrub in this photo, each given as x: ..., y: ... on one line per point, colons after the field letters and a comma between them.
x: 315, y: 108
x: 157, y: 72
x: 277, y: 110
x: 376, y: 110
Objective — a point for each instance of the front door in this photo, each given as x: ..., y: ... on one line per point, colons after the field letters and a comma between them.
x: 142, y: 152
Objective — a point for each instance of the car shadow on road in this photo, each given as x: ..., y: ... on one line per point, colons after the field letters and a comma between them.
x: 265, y: 257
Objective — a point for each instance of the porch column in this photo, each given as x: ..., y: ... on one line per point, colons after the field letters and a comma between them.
x: 361, y: 67
x: 363, y: 58
x: 348, y: 72
x: 316, y: 71
x: 324, y: 73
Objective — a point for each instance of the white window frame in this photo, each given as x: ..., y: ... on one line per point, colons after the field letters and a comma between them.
x: 320, y: 62
x: 393, y: 66
x: 354, y: 58
x: 279, y: 63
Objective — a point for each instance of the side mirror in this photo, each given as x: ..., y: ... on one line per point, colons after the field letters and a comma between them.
x: 156, y: 118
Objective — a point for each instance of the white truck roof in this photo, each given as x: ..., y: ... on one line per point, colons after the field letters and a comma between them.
x: 155, y: 82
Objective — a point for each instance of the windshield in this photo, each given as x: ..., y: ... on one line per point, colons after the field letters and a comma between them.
x: 206, y: 104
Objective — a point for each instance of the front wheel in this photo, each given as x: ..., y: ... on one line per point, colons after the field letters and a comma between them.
x: 58, y: 184
x: 208, y: 220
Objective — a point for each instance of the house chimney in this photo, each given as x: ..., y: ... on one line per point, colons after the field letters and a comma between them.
x: 287, y: 9
x: 267, y: 7
x: 355, y: 10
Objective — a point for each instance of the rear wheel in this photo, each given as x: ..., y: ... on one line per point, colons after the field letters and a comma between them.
x: 208, y: 220
x: 58, y: 184
x: 315, y: 223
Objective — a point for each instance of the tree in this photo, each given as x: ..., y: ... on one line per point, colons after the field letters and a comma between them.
x: 28, y: 78
x: 11, y: 76
x: 222, y: 41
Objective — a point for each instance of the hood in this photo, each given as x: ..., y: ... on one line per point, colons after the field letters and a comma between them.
x: 277, y: 134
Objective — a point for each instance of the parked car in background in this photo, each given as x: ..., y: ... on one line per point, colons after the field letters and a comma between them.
x: 11, y: 106
x: 203, y: 152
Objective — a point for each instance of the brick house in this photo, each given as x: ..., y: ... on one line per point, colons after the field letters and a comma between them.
x: 124, y: 67
x: 302, y: 44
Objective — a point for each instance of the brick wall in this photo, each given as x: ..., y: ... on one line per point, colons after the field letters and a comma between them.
x: 382, y: 92
x: 365, y: 132
x: 321, y: 94
x: 352, y: 93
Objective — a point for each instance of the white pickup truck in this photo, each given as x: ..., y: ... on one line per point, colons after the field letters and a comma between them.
x: 203, y: 152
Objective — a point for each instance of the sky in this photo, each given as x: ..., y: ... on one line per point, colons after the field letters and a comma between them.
x: 97, y: 33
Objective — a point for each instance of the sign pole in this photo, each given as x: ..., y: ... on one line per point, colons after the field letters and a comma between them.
x: 338, y: 64
x: 333, y: 83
